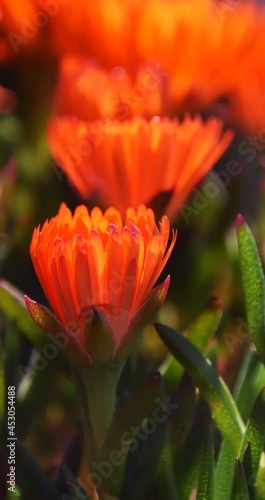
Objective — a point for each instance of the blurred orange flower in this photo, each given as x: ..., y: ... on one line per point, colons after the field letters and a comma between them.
x: 163, y: 34
x: 36, y: 28
x: 230, y: 41
x: 90, y: 91
x: 168, y: 33
x: 133, y: 162
x: 98, y: 276
x: 102, y: 29
x: 248, y: 102
x: 14, y: 16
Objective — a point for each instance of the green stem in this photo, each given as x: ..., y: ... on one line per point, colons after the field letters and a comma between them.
x: 100, y: 383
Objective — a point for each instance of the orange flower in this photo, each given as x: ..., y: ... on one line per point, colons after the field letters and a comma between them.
x: 88, y: 90
x: 230, y: 41
x: 129, y: 163
x: 230, y: 38
x: 14, y: 16
x: 102, y: 29
x: 98, y: 277
x: 168, y: 33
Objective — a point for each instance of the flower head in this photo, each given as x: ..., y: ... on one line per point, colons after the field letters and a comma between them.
x: 98, y: 276
x: 88, y: 90
x: 169, y: 34
x: 129, y: 163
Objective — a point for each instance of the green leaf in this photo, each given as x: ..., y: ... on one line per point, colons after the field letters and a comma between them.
x: 260, y: 481
x: 253, y: 284
x: 164, y: 480
x: 171, y: 371
x: 199, y: 333
x: 255, y: 432
x: 206, y: 472
x: 247, y: 465
x: 188, y: 462
x: 121, y: 438
x: 224, y: 473
x: 185, y: 396
x: 13, y: 306
x: 205, y: 325
x: 140, y: 465
x: 250, y: 381
x: 240, y: 489
x: 212, y: 387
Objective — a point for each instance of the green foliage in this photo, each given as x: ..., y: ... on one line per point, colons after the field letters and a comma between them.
x: 253, y: 284
x: 212, y: 388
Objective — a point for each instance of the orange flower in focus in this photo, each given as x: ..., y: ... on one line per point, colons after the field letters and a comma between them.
x: 98, y: 277
x: 129, y: 163
x: 88, y: 90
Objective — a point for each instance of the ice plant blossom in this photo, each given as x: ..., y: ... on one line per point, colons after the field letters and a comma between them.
x: 90, y: 91
x: 137, y: 161
x: 155, y: 30
x: 98, y: 276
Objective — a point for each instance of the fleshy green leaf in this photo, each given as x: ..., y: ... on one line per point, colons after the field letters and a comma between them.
x: 188, y: 461
x: 255, y: 432
x: 164, y: 480
x: 206, y: 472
x: 171, y: 371
x: 224, y: 473
x: 13, y: 306
x: 240, y: 489
x: 212, y: 387
x: 121, y: 437
x: 253, y: 284
x: 199, y: 333
x: 260, y: 482
x: 250, y: 381
x: 140, y: 465
x: 247, y: 465
x: 185, y: 397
